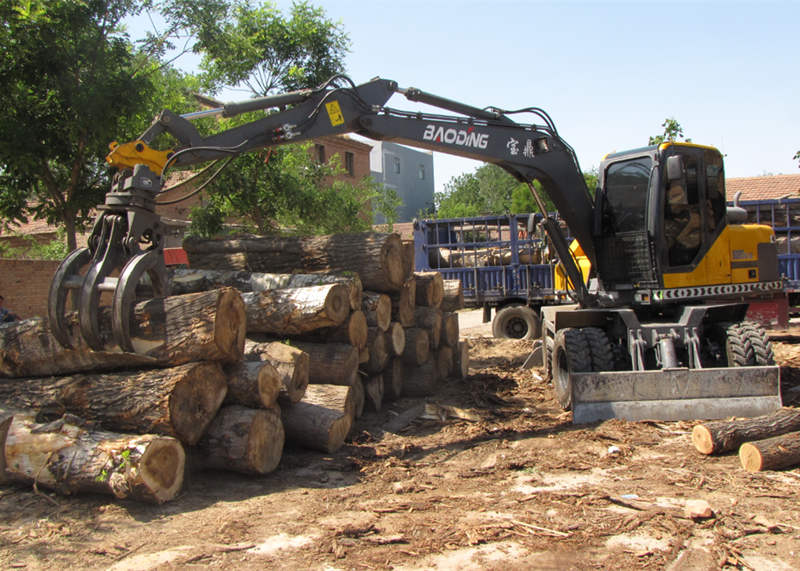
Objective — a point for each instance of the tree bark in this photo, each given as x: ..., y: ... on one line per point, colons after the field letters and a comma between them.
x: 70, y: 459
x: 403, y: 303
x: 206, y: 326
x: 244, y: 440
x: 296, y: 311
x: 725, y: 435
x: 393, y: 379
x: 444, y: 361
x: 354, y: 330
x: 418, y: 346
x: 396, y: 338
x: 430, y: 288
x: 408, y: 257
x: 430, y: 319
x: 291, y: 363
x: 378, y: 351
x: 453, y: 295
x: 322, y: 420
x: 421, y: 381
x: 330, y: 363
x: 180, y: 401
x: 772, y: 453
x: 359, y: 396
x: 376, y: 258
x: 461, y: 360
x: 450, y: 332
x: 377, y: 308
x: 373, y: 392
x: 254, y: 384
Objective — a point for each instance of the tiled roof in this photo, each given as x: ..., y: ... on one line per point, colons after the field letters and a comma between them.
x: 763, y: 187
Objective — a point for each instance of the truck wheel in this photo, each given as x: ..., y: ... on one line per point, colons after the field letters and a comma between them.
x: 762, y: 348
x: 738, y: 346
x: 571, y: 354
x: 600, y: 349
x: 516, y: 322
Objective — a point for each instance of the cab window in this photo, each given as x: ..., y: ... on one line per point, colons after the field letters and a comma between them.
x: 626, y: 187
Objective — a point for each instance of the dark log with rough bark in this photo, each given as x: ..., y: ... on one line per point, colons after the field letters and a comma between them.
x: 179, y: 401
x: 6, y: 416
x: 396, y: 338
x: 726, y: 435
x: 430, y: 289
x: 404, y: 302
x: 322, y: 420
x: 243, y: 440
x: 422, y: 380
x: 376, y: 258
x: 378, y: 351
x: 461, y: 360
x: 206, y: 326
x: 393, y: 379
x: 377, y: 308
x: 772, y: 453
x: 453, y: 295
x: 418, y: 346
x: 430, y: 319
x: 194, y: 280
x: 330, y: 363
x: 363, y: 356
x: 296, y: 311
x: 359, y: 396
x: 291, y: 363
x: 254, y: 384
x: 444, y: 361
x: 450, y: 331
x: 373, y: 392
x: 68, y: 458
x: 408, y: 257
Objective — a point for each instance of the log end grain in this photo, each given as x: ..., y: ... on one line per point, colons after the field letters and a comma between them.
x: 230, y: 330
x: 750, y: 457
x: 161, y: 468
x: 196, y: 399
x: 702, y: 439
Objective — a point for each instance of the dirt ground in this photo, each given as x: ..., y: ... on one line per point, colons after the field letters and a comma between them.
x: 490, y: 474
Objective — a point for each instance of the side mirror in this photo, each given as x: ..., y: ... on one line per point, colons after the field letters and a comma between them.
x: 674, y: 168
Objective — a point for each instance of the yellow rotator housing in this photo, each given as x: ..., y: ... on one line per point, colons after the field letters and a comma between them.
x: 560, y: 280
x: 128, y: 155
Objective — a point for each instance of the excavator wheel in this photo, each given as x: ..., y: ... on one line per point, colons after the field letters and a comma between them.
x: 600, y: 349
x: 739, y: 346
x: 762, y: 348
x: 571, y: 354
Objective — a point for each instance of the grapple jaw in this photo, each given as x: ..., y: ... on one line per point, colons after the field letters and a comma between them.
x: 126, y: 243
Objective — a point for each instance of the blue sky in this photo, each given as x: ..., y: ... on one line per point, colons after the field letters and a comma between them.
x: 608, y: 73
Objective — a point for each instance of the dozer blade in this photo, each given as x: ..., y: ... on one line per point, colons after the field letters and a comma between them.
x: 675, y: 394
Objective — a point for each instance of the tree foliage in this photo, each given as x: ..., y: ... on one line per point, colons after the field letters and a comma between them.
x: 672, y: 132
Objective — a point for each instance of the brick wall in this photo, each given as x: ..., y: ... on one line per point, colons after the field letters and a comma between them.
x: 25, y: 284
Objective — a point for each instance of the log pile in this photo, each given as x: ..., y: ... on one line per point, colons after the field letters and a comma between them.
x: 229, y: 368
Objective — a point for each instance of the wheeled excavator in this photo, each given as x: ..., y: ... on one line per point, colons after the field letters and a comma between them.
x: 657, y: 328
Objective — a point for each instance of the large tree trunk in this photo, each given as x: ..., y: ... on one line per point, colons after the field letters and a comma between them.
x: 450, y: 332
x: 322, y: 420
x: 206, y: 326
x: 291, y: 363
x: 297, y: 310
x: 404, y: 302
x: 453, y: 296
x: 408, y: 256
x: 244, y: 440
x: 430, y: 288
x: 376, y: 258
x: 330, y: 363
x: 421, y: 381
x: 430, y: 319
x: 254, y: 384
x: 373, y: 391
x: 180, y: 401
x: 377, y: 308
x: 393, y: 379
x: 461, y: 360
x: 396, y: 338
x: 725, y: 435
x: 378, y: 351
x: 352, y: 331
x: 772, y: 453
x: 418, y: 346
x: 71, y: 459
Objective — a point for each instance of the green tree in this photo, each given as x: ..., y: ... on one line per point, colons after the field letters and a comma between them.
x: 672, y: 133
x: 488, y: 190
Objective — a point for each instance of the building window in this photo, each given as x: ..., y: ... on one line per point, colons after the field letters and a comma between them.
x: 396, y: 163
x: 319, y: 151
x: 349, y: 163
x: 421, y: 172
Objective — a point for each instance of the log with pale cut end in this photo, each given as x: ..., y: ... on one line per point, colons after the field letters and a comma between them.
x: 773, y: 453
x: 461, y: 360
x: 378, y: 351
x: 322, y: 420
x: 330, y: 363
x: 353, y: 331
x: 444, y: 361
x: 70, y: 459
x: 179, y: 401
x: 377, y: 308
x: 450, y: 331
x: 376, y: 258
x: 404, y: 302
x: 291, y: 363
x: 373, y: 392
x: 295, y: 311
x: 359, y: 396
x: 453, y: 296
x: 243, y: 440
x: 430, y: 288
x: 726, y: 435
x: 430, y: 319
x: 396, y: 338
x: 206, y: 326
x: 422, y: 380
x: 393, y: 379
x: 418, y: 346
x: 253, y: 384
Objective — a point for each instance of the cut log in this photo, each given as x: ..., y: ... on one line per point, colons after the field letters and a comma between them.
x: 408, y: 257
x: 291, y: 363
x: 461, y: 360
x: 363, y: 356
x: 377, y: 308
x: 354, y: 330
x: 404, y: 302
x: 206, y: 326
x: 453, y: 296
x: 726, y: 435
x: 330, y: 363
x: 450, y: 332
x: 322, y: 420
x: 70, y: 459
x: 296, y: 311
x: 396, y: 338
x: 243, y: 440
x: 180, y: 401
x: 444, y: 361
x: 421, y: 381
x: 430, y: 289
x: 359, y: 396
x: 6, y: 416
x: 376, y: 258
x: 378, y: 351
x: 373, y: 392
x: 772, y: 453
x: 430, y: 319
x: 393, y: 379
x: 418, y: 346
x: 254, y: 384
